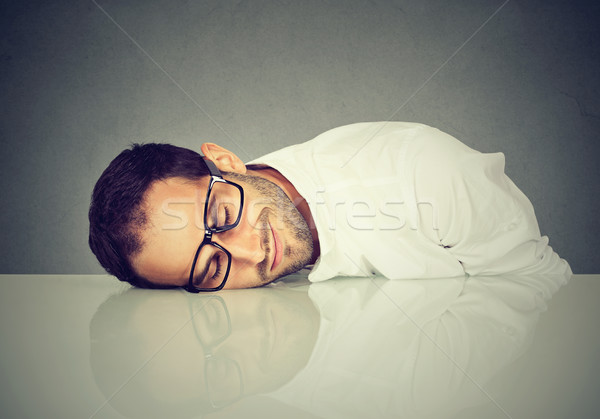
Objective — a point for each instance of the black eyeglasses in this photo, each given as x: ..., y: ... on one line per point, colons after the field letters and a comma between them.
x: 222, y: 211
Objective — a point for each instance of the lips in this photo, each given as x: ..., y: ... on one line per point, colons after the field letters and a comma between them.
x: 277, y: 248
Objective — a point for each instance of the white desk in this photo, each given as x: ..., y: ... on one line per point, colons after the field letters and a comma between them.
x: 465, y: 348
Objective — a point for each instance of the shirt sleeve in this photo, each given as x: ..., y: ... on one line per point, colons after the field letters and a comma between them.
x: 480, y: 216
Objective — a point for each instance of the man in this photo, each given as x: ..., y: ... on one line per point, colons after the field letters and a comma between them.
x: 400, y: 200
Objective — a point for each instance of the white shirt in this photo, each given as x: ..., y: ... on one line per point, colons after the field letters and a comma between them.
x: 405, y: 200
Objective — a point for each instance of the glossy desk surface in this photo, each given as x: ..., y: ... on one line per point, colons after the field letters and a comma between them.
x: 495, y: 347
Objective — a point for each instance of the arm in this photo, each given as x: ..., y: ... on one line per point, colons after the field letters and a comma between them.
x: 483, y: 219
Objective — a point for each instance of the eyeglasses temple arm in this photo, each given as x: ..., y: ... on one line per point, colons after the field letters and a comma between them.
x: 212, y: 168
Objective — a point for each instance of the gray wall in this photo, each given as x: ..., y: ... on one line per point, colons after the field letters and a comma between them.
x: 257, y: 75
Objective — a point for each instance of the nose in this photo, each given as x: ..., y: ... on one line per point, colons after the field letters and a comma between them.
x: 244, y: 243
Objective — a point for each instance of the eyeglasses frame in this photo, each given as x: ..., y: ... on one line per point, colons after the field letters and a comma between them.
x: 215, y: 177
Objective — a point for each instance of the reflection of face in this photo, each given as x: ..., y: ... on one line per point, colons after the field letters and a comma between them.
x: 272, y: 239
x: 271, y: 338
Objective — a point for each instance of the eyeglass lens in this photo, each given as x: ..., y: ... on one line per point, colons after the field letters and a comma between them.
x: 222, y: 211
x: 224, y: 206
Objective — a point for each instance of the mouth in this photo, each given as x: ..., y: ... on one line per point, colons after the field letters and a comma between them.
x: 277, y: 248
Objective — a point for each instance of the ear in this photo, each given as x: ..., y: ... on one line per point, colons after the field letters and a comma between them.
x: 225, y: 160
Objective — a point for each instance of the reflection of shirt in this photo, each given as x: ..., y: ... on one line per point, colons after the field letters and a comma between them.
x: 415, y: 349
x: 361, y: 364
x: 405, y: 200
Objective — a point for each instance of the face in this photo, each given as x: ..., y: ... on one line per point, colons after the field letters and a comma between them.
x: 272, y: 239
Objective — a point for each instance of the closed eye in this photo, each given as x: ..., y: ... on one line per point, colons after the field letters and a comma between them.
x: 228, y: 216
x: 218, y: 270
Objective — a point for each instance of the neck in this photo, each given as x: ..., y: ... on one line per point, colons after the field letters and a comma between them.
x: 294, y: 196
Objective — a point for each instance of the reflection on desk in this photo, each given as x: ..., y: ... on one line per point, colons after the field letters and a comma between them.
x: 343, y: 348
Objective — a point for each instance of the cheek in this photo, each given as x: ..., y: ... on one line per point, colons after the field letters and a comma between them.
x: 252, y: 210
x: 242, y: 277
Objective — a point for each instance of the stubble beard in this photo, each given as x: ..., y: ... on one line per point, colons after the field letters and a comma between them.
x: 281, y: 213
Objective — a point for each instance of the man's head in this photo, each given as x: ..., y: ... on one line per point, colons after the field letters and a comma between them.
x: 147, y: 219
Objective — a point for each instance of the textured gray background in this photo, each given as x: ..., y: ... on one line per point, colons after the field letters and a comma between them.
x: 257, y: 75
